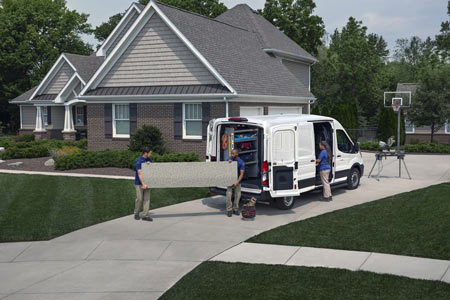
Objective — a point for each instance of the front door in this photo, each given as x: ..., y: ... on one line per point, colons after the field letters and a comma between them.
x: 282, y: 157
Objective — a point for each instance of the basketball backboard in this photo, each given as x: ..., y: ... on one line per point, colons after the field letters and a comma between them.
x: 394, y: 99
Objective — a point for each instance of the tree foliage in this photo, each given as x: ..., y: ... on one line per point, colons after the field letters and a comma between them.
x: 443, y: 39
x: 33, y: 33
x: 208, y: 8
x: 102, y: 31
x: 431, y: 103
x: 388, y: 125
x: 296, y: 20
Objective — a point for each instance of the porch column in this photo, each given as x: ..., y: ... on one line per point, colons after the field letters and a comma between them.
x: 39, y: 131
x: 69, y: 132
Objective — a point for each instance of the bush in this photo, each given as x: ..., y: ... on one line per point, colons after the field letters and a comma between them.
x: 147, y: 136
x: 411, y: 148
x: 40, y: 148
x: 114, y: 159
x: 29, y: 137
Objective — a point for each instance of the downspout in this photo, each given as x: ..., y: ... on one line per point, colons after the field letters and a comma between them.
x: 226, y: 106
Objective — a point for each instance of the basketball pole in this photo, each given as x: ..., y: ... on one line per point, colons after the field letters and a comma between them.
x: 398, y: 143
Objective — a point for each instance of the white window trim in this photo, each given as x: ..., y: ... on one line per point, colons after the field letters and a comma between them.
x: 413, y: 129
x: 76, y: 116
x: 185, y: 136
x: 115, y: 135
x: 21, y: 117
x: 261, y: 108
x: 285, y: 107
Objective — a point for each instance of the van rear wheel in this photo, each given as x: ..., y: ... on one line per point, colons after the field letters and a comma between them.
x: 353, y: 179
x: 285, y: 203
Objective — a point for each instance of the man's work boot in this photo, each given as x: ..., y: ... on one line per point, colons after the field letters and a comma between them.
x: 229, y: 213
x: 147, y: 218
x: 136, y: 216
x: 236, y: 212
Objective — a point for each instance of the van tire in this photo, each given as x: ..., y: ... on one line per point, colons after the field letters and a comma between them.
x: 285, y: 203
x: 353, y: 179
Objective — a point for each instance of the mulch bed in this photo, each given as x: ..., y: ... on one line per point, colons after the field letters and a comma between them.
x: 37, y: 165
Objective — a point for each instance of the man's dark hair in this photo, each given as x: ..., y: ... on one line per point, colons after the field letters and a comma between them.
x: 146, y: 150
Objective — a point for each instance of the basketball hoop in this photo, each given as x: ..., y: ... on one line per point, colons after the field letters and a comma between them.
x: 396, y: 106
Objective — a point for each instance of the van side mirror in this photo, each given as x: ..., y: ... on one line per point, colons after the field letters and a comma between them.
x: 356, y: 147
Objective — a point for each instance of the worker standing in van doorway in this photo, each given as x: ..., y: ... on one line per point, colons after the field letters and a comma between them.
x: 324, y: 163
x: 234, y: 209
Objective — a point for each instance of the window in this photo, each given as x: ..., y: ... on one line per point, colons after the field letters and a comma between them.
x: 447, y: 126
x: 44, y: 113
x: 121, y: 120
x: 79, y: 116
x: 344, y: 143
x: 409, y: 127
x: 192, y: 121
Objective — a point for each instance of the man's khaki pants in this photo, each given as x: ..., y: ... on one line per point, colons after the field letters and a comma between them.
x: 142, y: 195
x: 237, y: 197
x: 324, y: 175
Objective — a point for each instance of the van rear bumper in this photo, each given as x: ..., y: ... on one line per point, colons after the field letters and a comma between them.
x: 263, y: 196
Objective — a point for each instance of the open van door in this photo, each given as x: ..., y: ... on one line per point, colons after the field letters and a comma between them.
x: 282, y: 157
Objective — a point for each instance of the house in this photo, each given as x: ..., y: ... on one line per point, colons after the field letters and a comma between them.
x: 422, y: 133
x: 173, y: 69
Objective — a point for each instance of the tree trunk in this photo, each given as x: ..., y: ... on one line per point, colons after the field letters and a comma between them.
x: 432, y: 133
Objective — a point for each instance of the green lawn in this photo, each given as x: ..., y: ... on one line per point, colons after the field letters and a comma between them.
x: 35, y: 207
x: 416, y: 223
x: 215, y: 280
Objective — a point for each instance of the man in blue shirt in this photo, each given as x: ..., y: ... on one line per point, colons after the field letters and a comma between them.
x: 236, y: 186
x: 142, y: 190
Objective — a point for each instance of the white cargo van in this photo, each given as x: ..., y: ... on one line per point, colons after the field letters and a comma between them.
x: 280, y: 153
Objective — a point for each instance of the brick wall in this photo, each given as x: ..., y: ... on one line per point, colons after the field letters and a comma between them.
x: 159, y: 115
x: 440, y: 138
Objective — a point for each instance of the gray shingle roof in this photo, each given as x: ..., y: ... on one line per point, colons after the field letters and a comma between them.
x: 270, y: 37
x: 160, y: 90
x: 86, y: 65
x: 25, y: 96
x: 237, y: 55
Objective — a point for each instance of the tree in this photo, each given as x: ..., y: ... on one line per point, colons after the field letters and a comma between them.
x: 102, y: 31
x: 443, y: 39
x: 431, y: 103
x: 296, y: 20
x: 351, y: 70
x: 388, y: 124
x: 33, y: 33
x: 208, y: 8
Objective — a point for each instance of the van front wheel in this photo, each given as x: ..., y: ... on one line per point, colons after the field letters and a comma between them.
x: 353, y: 179
x: 285, y: 203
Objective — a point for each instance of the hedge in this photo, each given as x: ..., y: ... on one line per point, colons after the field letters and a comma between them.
x: 115, y: 159
x: 417, y: 148
x: 32, y: 149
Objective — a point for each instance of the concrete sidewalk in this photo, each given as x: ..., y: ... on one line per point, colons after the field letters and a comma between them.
x: 128, y: 259
x: 412, y: 267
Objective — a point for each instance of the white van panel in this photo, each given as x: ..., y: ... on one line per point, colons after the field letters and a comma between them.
x: 283, y: 146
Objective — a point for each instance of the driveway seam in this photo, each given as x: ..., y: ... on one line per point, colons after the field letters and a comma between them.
x: 224, y: 251
x: 292, y: 255
x: 446, y: 271
x: 21, y: 252
x: 367, y: 258
x: 164, y: 251
x: 99, y: 244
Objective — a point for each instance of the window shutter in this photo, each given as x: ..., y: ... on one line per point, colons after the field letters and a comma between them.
x: 178, y: 121
x: 133, y: 118
x: 85, y: 115
x: 49, y: 115
x: 205, y: 118
x: 108, y: 120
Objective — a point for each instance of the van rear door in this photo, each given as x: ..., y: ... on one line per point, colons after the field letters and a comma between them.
x: 282, y: 146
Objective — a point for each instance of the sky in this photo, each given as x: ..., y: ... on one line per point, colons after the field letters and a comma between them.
x: 393, y: 19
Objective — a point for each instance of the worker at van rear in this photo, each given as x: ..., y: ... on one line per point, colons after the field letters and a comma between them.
x: 234, y: 209
x: 324, y: 162
x: 142, y: 190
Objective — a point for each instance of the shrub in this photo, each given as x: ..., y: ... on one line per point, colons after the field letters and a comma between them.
x: 114, y: 158
x: 68, y: 150
x: 147, y: 136
x: 29, y: 137
x: 33, y: 149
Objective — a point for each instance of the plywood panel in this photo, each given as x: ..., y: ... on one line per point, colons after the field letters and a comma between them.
x: 193, y: 174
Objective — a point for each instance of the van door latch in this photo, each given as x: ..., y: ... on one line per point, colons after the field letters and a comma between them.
x: 296, y: 165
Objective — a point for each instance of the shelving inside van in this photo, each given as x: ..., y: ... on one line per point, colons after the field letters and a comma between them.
x: 248, y: 139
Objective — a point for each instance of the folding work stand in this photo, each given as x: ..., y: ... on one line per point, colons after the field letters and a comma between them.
x: 385, y: 154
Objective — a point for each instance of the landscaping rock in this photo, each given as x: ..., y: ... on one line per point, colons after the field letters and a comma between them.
x: 1, y: 161
x: 49, y: 163
x: 16, y: 164
x: 2, y: 149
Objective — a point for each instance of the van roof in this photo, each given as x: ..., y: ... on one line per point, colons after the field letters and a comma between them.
x: 281, y: 119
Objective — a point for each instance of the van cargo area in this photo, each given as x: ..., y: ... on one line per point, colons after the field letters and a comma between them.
x: 249, y: 140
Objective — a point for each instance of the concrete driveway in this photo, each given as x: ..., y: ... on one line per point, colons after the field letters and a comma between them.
x: 128, y: 259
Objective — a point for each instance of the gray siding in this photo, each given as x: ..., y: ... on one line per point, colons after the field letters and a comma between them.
x: 300, y: 71
x: 28, y: 117
x: 59, y: 80
x: 113, y: 42
x: 157, y: 57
